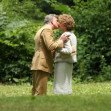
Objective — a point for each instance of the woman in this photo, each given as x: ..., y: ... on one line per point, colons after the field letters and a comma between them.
x: 65, y: 57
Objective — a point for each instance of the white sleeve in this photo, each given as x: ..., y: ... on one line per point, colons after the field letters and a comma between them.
x: 74, y: 41
x: 67, y: 48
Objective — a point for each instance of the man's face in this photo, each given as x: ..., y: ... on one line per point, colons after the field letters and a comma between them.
x: 55, y: 23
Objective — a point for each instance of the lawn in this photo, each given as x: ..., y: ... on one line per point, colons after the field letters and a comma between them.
x: 85, y: 97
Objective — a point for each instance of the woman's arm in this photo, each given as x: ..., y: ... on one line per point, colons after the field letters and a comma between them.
x: 67, y: 48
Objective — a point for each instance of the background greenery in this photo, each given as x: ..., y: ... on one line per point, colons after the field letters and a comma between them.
x: 20, y: 20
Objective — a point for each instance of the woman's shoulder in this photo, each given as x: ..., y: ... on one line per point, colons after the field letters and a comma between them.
x: 67, y: 32
x: 72, y: 35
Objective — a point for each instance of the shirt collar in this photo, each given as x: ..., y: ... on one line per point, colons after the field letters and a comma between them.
x: 48, y: 26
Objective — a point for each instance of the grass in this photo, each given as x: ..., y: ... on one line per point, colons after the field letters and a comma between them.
x: 85, y: 97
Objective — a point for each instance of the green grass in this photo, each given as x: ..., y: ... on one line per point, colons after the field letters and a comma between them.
x: 85, y: 97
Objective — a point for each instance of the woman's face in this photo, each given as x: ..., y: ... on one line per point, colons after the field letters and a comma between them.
x: 62, y: 27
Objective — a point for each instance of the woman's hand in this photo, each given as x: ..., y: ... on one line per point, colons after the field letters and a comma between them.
x: 65, y: 38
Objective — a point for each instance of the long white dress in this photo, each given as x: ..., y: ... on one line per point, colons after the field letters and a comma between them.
x: 64, y: 66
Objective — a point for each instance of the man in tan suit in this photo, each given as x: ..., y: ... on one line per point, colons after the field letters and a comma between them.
x: 42, y: 62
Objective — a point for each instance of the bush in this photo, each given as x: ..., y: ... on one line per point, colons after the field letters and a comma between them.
x: 94, y: 23
x: 17, y: 49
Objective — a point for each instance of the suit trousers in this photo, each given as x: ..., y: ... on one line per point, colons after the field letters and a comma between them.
x: 39, y: 83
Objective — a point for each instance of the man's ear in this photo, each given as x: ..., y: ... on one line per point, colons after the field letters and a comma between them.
x: 51, y: 21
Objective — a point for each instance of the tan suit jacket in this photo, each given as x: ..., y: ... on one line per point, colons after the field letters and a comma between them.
x: 44, y: 44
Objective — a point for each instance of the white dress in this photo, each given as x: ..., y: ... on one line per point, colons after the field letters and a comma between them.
x: 63, y: 67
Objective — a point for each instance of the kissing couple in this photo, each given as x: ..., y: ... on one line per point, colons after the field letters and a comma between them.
x: 64, y: 49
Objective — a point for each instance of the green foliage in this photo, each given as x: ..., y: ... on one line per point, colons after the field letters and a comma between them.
x: 21, y: 81
x: 20, y: 20
x: 94, y: 23
x: 25, y: 8
x: 17, y: 49
x: 3, y: 18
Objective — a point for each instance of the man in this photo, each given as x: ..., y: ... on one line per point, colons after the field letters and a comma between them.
x: 42, y: 62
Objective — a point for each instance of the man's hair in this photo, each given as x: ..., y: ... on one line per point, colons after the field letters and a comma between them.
x: 67, y: 21
x: 49, y: 17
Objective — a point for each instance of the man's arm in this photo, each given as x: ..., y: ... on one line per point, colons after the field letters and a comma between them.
x: 48, y: 38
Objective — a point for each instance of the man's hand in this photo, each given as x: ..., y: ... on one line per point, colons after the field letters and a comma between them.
x: 53, y: 53
x: 65, y: 38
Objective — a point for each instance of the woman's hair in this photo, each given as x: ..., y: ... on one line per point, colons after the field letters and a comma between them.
x: 67, y: 21
x: 49, y: 17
